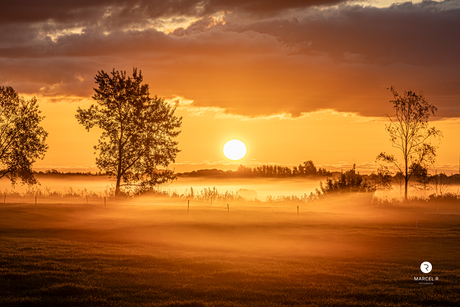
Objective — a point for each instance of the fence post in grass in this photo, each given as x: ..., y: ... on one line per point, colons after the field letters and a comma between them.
x: 86, y: 199
x: 188, y: 206
x: 4, y: 200
x: 105, y: 202
x: 297, y: 211
x: 438, y: 204
x: 416, y: 223
x: 35, y: 202
x: 228, y: 208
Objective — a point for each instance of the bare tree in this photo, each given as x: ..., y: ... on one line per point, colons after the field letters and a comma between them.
x: 409, y: 132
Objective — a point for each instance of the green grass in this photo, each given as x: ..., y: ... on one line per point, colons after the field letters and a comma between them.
x: 133, y: 254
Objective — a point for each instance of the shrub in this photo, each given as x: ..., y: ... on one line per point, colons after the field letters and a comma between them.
x: 350, y: 181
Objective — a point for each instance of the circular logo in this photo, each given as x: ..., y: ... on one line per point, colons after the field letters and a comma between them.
x: 426, y: 267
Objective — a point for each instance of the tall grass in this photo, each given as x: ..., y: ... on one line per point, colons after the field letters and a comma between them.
x: 212, y: 194
x: 65, y: 192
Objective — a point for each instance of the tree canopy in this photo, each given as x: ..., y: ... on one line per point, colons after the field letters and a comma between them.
x: 137, y: 143
x: 410, y: 134
x: 22, y: 139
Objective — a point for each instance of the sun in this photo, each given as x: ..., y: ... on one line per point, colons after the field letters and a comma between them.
x: 234, y: 150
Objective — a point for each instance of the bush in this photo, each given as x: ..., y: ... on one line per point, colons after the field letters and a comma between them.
x: 446, y: 197
x: 350, y: 181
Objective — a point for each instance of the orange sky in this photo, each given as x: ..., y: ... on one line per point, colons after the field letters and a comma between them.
x: 335, y: 140
x: 294, y: 80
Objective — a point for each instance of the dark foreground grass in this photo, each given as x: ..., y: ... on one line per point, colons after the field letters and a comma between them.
x: 79, y: 255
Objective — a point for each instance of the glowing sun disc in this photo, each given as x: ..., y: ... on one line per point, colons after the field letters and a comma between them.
x: 234, y: 150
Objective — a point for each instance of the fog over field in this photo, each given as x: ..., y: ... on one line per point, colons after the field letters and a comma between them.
x: 154, y: 251
x: 262, y: 186
x: 249, y: 188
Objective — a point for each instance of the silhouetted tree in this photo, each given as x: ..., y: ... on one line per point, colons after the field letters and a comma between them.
x: 244, y: 170
x: 137, y: 143
x: 22, y: 139
x: 382, y: 178
x: 295, y: 171
x: 350, y: 181
x: 409, y: 132
x: 398, y: 181
x: 440, y: 182
x: 309, y: 168
x: 323, y: 172
x: 422, y: 176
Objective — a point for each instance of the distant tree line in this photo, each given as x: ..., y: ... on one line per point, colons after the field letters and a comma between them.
x: 307, y: 168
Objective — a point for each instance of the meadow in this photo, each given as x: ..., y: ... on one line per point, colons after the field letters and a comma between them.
x: 154, y: 251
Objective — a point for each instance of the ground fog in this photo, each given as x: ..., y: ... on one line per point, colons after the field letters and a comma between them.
x: 152, y: 251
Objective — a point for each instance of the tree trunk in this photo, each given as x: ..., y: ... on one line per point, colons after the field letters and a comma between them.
x: 117, y: 186
x: 405, y: 189
x: 120, y: 152
x: 406, y: 177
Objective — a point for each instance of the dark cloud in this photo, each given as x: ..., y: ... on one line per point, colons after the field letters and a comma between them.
x: 419, y: 34
x: 84, y: 11
x: 263, y: 7
x: 30, y: 11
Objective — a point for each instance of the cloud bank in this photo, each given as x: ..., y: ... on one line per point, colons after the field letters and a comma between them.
x: 251, y: 58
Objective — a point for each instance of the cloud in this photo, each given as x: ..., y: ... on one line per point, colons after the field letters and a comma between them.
x: 289, y: 59
x: 26, y: 11
x: 418, y: 34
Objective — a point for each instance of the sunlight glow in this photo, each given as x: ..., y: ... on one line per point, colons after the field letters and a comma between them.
x: 234, y: 150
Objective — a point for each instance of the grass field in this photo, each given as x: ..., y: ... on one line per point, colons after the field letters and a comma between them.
x: 153, y: 252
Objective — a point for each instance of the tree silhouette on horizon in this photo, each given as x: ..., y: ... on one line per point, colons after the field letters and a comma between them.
x: 22, y: 138
x: 409, y: 132
x: 137, y: 143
